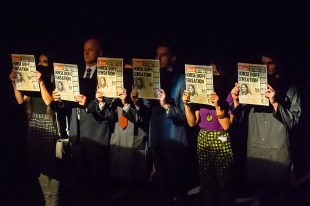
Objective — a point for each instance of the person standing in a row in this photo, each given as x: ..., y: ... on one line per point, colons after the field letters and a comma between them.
x: 269, y: 165
x: 89, y: 132
x: 214, y: 149
x: 168, y: 136
x: 42, y: 130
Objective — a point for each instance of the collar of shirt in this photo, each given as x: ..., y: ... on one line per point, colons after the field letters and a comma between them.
x: 137, y: 107
x: 93, y: 69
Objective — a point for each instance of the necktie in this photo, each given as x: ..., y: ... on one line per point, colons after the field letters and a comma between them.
x: 88, y: 73
x: 123, y: 122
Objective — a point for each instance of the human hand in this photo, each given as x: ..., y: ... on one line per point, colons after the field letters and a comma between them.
x: 12, y: 76
x: 38, y: 76
x: 100, y: 96
x: 186, y: 97
x: 214, y: 98
x: 123, y: 96
x: 270, y: 94
x: 56, y: 96
x: 81, y: 99
x: 134, y: 95
x: 161, y: 96
x: 235, y: 92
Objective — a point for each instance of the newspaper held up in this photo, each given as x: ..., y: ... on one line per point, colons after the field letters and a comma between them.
x: 199, y: 83
x: 252, y: 80
x: 67, y: 81
x: 146, y: 76
x: 110, y: 76
x: 24, y: 66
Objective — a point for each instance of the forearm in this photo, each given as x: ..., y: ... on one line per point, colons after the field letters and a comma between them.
x: 236, y: 103
x: 190, y: 116
x: 224, y: 119
x: 289, y: 112
x: 275, y: 106
x: 18, y: 95
x: 288, y: 116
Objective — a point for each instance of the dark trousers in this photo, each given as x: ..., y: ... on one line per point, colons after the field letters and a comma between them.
x: 91, y: 172
x: 171, y: 168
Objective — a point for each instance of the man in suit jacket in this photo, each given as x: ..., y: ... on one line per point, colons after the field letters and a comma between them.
x: 89, y: 131
x: 168, y: 137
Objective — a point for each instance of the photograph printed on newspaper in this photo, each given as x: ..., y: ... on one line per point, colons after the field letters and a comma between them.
x: 199, y: 83
x: 146, y: 76
x: 110, y: 76
x: 67, y: 81
x: 252, y: 80
x: 24, y: 66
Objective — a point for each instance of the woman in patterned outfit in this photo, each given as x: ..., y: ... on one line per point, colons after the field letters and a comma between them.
x: 42, y: 131
x: 214, y: 150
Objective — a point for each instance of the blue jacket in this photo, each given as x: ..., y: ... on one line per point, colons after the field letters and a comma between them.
x: 168, y: 128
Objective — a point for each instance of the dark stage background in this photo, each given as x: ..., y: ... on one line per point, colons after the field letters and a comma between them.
x: 235, y: 30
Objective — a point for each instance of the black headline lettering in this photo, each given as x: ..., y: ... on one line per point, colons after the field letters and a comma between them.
x: 192, y: 80
x: 243, y: 73
x: 16, y: 63
x: 63, y: 78
x: 190, y: 75
x: 138, y: 68
x: 254, y: 74
x: 23, y: 69
x: 110, y: 73
x: 59, y: 72
x: 101, y: 72
x: 148, y: 69
x: 248, y: 79
x: 142, y: 74
x: 200, y: 75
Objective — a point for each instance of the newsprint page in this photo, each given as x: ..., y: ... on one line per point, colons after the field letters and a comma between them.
x: 252, y: 80
x: 67, y: 80
x: 146, y: 77
x: 24, y: 65
x: 110, y: 76
x: 199, y: 83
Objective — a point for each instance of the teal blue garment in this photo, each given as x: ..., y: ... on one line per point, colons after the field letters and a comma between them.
x: 168, y: 128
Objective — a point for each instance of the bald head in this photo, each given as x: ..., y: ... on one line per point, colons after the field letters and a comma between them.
x: 92, y: 50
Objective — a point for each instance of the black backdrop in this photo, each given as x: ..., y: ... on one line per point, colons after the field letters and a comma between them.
x: 236, y: 30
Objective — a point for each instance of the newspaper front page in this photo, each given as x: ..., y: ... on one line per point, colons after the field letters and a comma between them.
x: 67, y: 80
x: 252, y: 80
x: 110, y: 76
x: 24, y: 65
x: 199, y: 83
x: 146, y: 76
